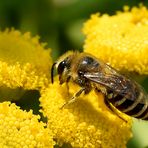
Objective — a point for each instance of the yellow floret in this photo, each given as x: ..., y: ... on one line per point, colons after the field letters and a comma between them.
x: 19, y: 129
x: 87, y: 123
x: 120, y: 40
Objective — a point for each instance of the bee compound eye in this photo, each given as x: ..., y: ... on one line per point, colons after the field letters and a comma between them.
x: 61, y: 67
x: 81, y: 73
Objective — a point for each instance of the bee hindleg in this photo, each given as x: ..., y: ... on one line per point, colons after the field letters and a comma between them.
x: 111, y: 107
x: 74, y: 98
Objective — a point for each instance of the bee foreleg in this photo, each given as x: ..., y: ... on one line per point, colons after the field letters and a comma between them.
x: 67, y: 86
x: 111, y: 107
x: 74, y: 98
x: 67, y: 80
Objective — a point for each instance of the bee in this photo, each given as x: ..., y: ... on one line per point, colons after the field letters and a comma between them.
x: 89, y: 73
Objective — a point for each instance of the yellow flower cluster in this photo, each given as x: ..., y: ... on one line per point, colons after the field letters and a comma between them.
x: 16, y: 47
x: 20, y: 129
x: 24, y: 63
x: 87, y: 123
x: 120, y: 40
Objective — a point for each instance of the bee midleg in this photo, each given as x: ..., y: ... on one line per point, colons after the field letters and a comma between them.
x: 112, y: 108
x: 74, y: 97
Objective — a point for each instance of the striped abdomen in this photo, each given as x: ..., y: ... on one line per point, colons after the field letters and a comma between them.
x: 134, y: 105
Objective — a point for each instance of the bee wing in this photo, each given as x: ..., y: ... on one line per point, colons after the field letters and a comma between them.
x: 114, y: 82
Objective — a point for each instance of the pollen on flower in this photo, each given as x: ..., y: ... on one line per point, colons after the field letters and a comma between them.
x: 19, y: 128
x: 24, y: 62
x: 22, y: 48
x: 120, y: 40
x: 85, y: 123
x: 25, y: 76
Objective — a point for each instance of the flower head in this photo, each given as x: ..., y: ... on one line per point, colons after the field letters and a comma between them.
x: 120, y: 40
x: 24, y: 63
x: 23, y: 60
x: 19, y: 128
x: 85, y: 123
x: 16, y: 47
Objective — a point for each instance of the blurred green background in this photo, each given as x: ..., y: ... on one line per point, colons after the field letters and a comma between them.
x: 59, y: 23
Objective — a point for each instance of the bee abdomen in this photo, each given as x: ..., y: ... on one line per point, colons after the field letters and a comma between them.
x: 137, y: 108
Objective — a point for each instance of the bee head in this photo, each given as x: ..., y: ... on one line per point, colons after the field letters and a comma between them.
x: 62, y: 67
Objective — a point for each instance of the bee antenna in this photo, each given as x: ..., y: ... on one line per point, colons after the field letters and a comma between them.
x: 52, y: 72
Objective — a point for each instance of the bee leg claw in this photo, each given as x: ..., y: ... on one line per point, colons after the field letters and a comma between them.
x: 73, y: 99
